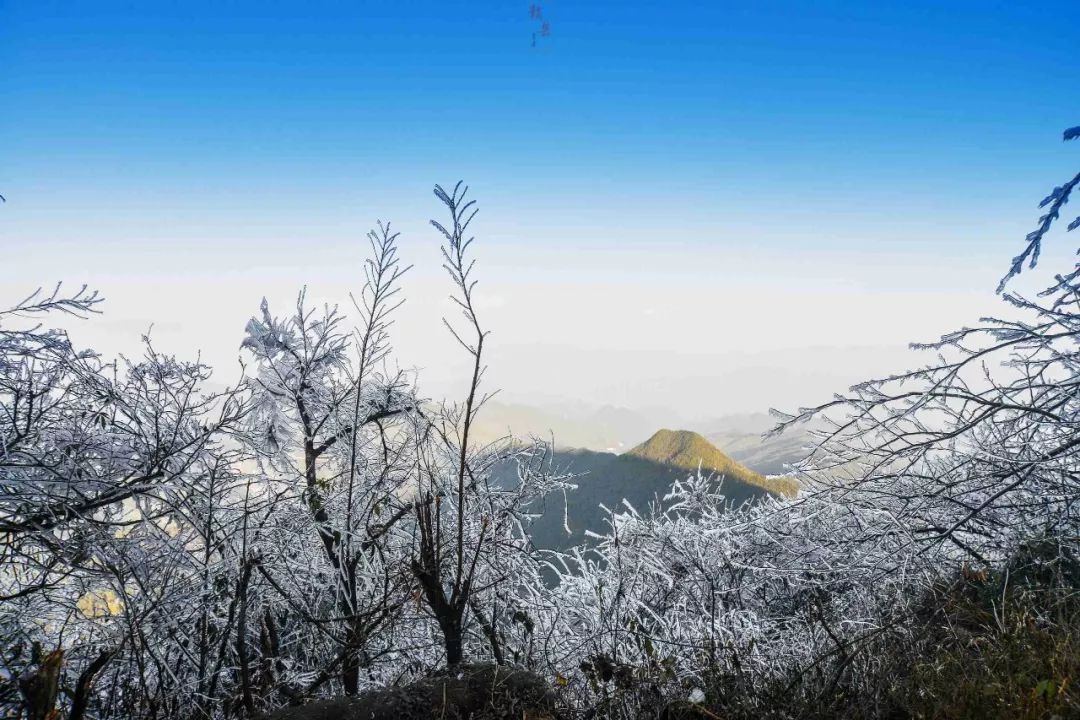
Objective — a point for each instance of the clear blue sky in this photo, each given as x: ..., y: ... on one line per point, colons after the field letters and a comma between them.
x: 755, y: 147
x: 642, y: 98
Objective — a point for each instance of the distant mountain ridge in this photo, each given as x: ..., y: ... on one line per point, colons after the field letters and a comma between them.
x: 617, y: 429
x: 605, y: 428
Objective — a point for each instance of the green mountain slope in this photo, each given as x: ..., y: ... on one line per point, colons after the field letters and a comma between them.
x: 688, y: 450
x: 640, y: 477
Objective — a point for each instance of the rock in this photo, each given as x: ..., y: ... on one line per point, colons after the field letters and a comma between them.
x: 469, y: 692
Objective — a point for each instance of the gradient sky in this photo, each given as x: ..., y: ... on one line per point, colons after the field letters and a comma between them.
x: 709, y: 207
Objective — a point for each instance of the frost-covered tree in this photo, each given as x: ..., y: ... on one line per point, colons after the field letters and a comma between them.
x: 978, y: 448
x: 332, y: 432
x: 471, y: 557
x: 99, y: 464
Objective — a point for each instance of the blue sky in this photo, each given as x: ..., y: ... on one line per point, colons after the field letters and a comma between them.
x: 767, y: 166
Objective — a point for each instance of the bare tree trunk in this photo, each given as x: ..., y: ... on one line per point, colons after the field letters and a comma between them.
x: 81, y: 699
